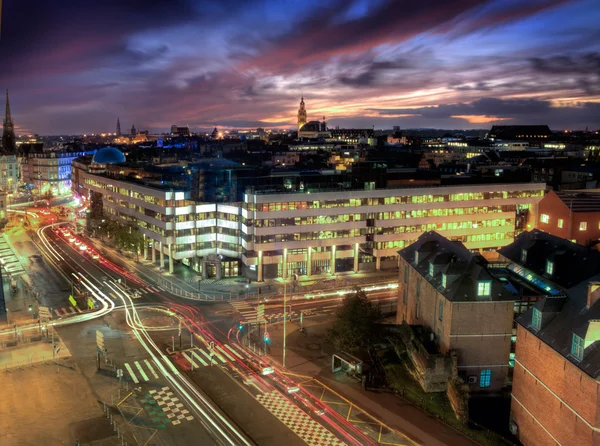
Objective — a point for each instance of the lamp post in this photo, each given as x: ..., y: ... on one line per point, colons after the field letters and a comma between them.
x: 284, y: 320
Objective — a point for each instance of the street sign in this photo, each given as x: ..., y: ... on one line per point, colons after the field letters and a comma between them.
x: 73, y: 301
x: 44, y: 313
x: 119, y: 373
x: 260, y: 312
x: 90, y: 303
x: 100, y: 341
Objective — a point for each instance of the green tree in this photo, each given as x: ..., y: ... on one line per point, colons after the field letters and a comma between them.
x: 355, y: 325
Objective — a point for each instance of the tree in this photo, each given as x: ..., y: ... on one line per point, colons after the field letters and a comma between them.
x: 355, y: 324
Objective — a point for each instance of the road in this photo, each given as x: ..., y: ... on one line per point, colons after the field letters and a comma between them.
x: 189, y: 359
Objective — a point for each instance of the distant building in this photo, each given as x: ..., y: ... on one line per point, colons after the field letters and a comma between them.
x: 49, y: 173
x: 180, y: 131
x: 449, y: 291
x: 9, y: 140
x: 133, y: 131
x: 118, y: 132
x: 9, y: 173
x: 557, y: 366
x: 531, y: 133
x: 311, y: 129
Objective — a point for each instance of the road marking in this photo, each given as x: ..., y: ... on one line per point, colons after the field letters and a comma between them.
x: 207, y: 355
x: 190, y: 360
x: 234, y: 352
x: 128, y: 367
x: 151, y: 368
x: 223, y: 360
x: 231, y: 358
x: 202, y: 361
x: 139, y: 367
x: 171, y: 366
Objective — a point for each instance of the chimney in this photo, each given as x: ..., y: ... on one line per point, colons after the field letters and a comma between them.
x: 593, y: 293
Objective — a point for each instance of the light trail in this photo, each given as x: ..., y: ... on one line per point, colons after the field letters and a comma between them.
x: 227, y: 432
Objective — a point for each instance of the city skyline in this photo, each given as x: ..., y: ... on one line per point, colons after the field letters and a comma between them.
x: 462, y: 65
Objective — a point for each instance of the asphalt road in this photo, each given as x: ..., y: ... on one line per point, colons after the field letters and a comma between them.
x: 203, y: 337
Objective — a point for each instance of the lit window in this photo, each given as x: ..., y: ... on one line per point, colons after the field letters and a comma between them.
x: 444, y: 281
x: 431, y: 269
x: 485, y: 378
x: 560, y: 223
x: 523, y: 255
x: 549, y: 267
x: 484, y: 287
x: 536, y: 319
x: 583, y: 226
x: 441, y: 310
x: 577, y: 347
x: 545, y: 218
x: 511, y: 360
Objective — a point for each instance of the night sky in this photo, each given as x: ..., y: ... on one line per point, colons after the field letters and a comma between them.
x: 74, y: 66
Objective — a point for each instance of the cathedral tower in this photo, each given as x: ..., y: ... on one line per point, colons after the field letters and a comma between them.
x: 9, y: 141
x: 118, y: 127
x: 301, y: 114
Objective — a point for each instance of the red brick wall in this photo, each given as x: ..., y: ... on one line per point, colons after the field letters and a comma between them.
x: 593, y: 227
x: 553, y: 206
x: 577, y: 389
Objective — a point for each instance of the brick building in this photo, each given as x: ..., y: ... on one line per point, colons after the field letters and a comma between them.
x: 555, y: 394
x: 574, y: 216
x: 449, y: 291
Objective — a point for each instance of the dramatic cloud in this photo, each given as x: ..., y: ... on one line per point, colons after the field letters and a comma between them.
x: 72, y: 66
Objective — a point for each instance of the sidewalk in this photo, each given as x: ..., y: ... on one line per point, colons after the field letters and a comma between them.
x: 307, y: 354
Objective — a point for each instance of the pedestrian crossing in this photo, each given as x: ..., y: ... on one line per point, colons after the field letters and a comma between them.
x: 246, y: 310
x: 146, y: 370
x: 149, y: 290
x: 66, y: 311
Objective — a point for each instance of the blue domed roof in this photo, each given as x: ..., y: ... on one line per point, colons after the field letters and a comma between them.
x: 108, y: 155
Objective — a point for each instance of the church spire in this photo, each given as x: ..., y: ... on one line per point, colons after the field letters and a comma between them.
x: 301, y: 113
x: 9, y: 143
x: 118, y: 127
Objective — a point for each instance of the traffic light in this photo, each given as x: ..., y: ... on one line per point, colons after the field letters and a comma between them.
x: 30, y: 308
x: 267, y: 338
x: 240, y: 325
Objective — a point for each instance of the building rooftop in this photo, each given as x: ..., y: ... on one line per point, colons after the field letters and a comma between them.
x: 451, y: 268
x: 566, y: 315
x: 572, y: 263
x: 580, y: 201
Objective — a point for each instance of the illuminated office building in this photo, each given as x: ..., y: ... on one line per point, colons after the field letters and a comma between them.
x: 269, y: 233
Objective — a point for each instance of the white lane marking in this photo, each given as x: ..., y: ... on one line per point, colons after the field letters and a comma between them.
x: 190, y: 360
x: 139, y: 367
x: 171, y: 366
x: 202, y: 361
x: 223, y: 360
x: 206, y: 354
x: 231, y: 358
x: 151, y: 368
x: 234, y: 351
x: 128, y: 367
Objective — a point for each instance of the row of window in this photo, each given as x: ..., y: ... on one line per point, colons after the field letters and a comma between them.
x: 583, y: 225
x: 414, y: 199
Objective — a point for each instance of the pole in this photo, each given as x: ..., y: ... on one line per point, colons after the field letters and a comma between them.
x: 284, y: 319
x: 173, y: 339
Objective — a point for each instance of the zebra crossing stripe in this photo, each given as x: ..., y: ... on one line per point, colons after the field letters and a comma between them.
x: 233, y: 351
x: 133, y: 377
x: 206, y: 354
x: 78, y: 310
x: 223, y: 360
x: 231, y: 358
x: 151, y: 368
x: 202, y: 361
x: 190, y: 360
x: 57, y: 312
x: 139, y: 367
